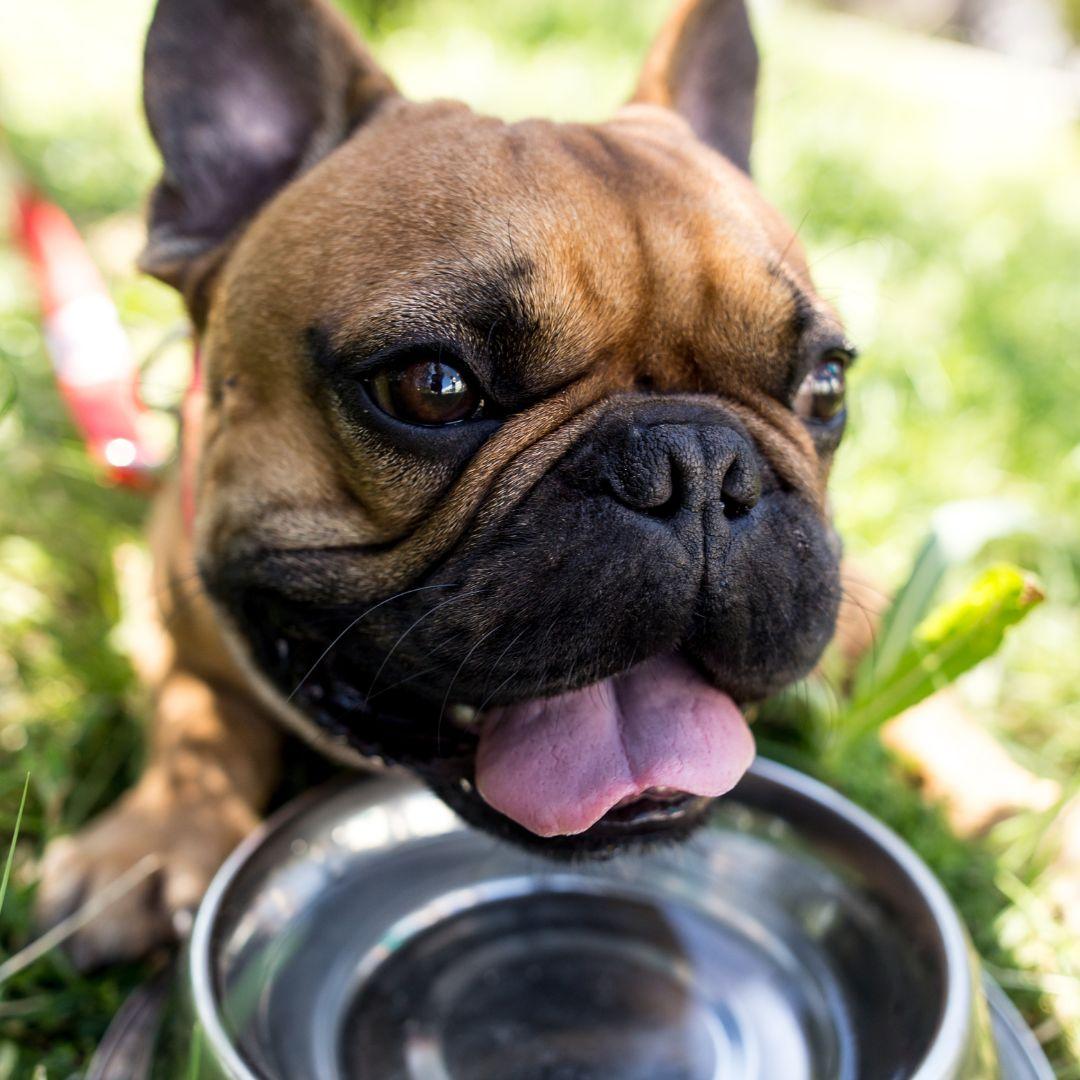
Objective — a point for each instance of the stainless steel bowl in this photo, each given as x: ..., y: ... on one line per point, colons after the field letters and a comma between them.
x: 367, y: 933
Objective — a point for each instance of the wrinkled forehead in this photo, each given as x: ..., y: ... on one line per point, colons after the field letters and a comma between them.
x: 538, y: 247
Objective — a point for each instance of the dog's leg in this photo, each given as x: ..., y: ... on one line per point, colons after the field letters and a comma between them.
x: 213, y: 762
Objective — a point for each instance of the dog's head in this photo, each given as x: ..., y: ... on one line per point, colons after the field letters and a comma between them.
x: 516, y: 435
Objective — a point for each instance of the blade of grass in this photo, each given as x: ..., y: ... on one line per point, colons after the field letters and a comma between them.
x: 950, y: 641
x: 960, y: 530
x: 908, y: 608
x: 147, y: 865
x: 14, y: 840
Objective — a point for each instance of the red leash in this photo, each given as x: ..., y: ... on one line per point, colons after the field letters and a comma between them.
x: 91, y: 355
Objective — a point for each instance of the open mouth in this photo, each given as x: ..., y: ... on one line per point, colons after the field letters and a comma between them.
x: 642, y: 751
x: 639, y: 754
x: 657, y: 811
x: 659, y: 804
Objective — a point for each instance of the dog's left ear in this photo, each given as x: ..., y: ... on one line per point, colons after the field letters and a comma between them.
x: 704, y: 65
x: 242, y: 96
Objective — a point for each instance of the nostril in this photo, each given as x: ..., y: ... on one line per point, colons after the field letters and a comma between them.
x: 733, y: 510
x: 669, y: 508
x: 650, y: 490
x: 740, y: 489
x: 663, y: 472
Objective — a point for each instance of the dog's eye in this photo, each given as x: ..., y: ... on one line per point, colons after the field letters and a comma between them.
x: 821, y: 396
x: 426, y: 392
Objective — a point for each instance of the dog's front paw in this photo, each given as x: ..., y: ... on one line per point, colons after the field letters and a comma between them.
x: 136, y: 873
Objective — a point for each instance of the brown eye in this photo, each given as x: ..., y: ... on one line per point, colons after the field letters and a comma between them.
x: 821, y: 396
x: 426, y: 392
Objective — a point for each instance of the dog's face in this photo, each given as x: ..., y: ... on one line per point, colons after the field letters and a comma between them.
x: 516, y: 438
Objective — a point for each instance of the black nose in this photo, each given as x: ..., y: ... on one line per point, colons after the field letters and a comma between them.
x: 664, y: 469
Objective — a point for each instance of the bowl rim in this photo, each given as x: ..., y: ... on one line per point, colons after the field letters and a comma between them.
x: 950, y: 1041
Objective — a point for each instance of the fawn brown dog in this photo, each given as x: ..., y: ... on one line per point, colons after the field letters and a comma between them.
x: 513, y: 457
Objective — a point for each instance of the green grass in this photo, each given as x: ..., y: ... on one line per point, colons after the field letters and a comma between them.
x: 937, y: 197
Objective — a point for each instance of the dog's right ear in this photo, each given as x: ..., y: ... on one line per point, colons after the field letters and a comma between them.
x: 242, y: 96
x: 704, y: 65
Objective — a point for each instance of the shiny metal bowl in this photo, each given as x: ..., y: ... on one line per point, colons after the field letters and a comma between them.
x: 367, y: 933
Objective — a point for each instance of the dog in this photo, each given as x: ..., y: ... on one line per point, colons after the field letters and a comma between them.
x: 512, y: 454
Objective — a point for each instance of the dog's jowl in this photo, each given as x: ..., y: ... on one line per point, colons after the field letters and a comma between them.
x: 512, y: 458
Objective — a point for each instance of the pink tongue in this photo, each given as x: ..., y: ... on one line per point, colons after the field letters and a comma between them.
x: 557, y: 765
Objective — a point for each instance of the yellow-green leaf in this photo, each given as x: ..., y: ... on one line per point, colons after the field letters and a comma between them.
x: 951, y: 640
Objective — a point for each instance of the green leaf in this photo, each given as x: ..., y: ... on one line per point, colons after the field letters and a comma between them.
x: 951, y: 640
x: 959, y: 531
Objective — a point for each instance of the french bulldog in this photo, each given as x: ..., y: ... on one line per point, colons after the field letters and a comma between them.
x: 512, y: 455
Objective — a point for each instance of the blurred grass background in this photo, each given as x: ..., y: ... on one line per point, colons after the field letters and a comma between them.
x: 936, y: 188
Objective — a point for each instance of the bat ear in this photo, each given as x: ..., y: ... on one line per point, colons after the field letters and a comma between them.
x: 704, y: 65
x: 242, y: 96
